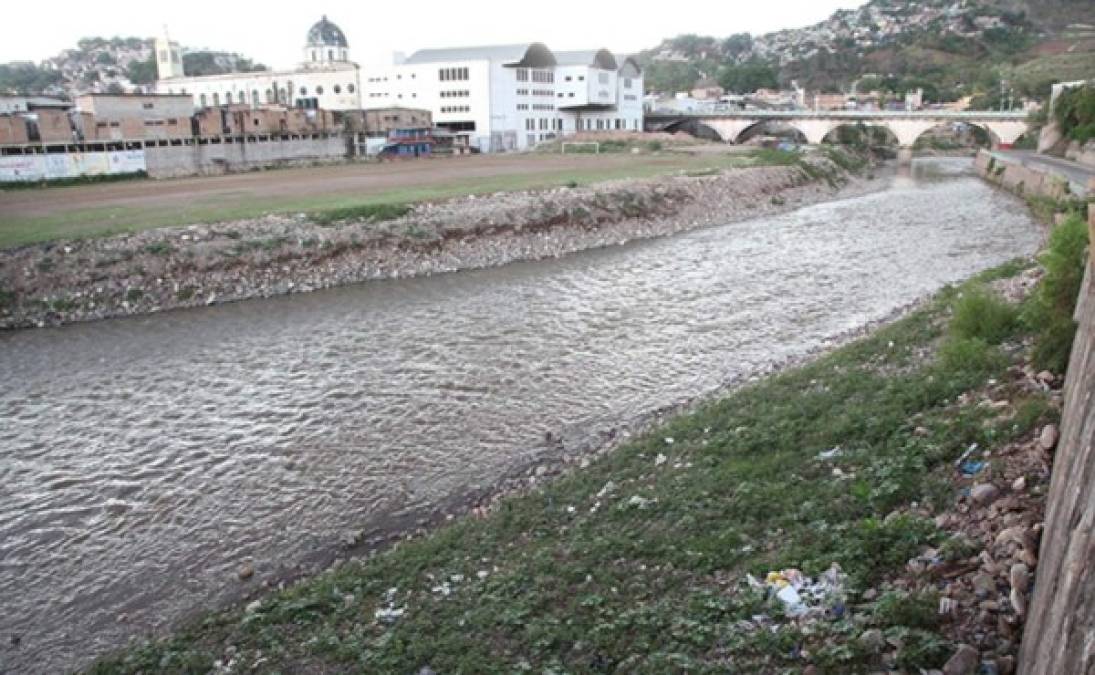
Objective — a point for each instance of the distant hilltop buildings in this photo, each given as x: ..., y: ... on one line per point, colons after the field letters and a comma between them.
x: 503, y: 97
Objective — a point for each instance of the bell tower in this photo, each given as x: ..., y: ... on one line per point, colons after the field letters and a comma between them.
x: 168, y: 57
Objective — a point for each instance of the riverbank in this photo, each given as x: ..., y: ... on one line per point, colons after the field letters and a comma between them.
x: 897, y: 484
x: 82, y: 280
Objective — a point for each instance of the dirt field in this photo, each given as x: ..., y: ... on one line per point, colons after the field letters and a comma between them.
x: 28, y: 215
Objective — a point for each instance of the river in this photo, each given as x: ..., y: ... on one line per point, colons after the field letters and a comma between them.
x: 143, y: 460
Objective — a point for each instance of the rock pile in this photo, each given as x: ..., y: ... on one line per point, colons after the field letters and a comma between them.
x: 61, y: 282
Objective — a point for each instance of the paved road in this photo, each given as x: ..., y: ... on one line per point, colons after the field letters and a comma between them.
x: 1078, y: 174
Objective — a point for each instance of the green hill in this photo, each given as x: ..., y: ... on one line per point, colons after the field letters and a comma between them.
x: 980, y: 48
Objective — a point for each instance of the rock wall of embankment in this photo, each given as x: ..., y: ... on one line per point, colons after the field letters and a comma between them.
x: 1060, y: 628
x: 1021, y: 180
x: 67, y: 281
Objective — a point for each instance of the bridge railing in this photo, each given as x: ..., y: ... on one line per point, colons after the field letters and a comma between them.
x: 847, y: 114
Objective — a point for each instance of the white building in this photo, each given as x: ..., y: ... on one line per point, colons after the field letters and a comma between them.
x: 326, y: 78
x: 511, y: 97
x: 507, y: 97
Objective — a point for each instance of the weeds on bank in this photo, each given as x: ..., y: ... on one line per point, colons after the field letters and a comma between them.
x: 368, y: 213
x: 1049, y: 311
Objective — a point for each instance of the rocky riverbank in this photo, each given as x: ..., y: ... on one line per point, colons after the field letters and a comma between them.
x: 83, y: 280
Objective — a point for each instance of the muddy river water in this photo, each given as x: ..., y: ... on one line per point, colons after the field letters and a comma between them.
x: 143, y: 460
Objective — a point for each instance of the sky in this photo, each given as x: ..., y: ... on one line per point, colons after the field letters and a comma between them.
x: 273, y: 33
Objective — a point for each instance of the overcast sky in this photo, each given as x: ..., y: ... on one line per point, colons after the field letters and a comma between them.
x: 273, y: 33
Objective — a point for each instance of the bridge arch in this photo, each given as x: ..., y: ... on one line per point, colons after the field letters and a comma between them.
x: 870, y: 128
x: 983, y: 136
x: 755, y: 127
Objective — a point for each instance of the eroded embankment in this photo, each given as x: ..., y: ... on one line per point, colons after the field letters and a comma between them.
x: 69, y: 281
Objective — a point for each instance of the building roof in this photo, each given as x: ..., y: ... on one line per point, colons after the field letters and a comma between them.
x: 37, y: 101
x: 326, y: 34
x: 534, y: 54
x: 626, y: 60
x: 598, y: 58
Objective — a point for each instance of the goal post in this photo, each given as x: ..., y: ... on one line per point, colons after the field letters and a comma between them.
x: 582, y: 147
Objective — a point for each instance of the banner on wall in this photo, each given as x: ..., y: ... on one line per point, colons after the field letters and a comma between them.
x: 31, y: 168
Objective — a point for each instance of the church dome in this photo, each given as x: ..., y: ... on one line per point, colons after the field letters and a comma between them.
x: 326, y: 34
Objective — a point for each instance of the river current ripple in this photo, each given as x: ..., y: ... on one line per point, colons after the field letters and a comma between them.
x: 143, y: 459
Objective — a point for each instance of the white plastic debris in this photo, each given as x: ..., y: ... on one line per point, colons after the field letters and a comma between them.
x: 830, y: 454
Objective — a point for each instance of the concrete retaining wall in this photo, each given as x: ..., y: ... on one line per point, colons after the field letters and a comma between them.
x: 1022, y: 180
x: 224, y: 157
x: 1060, y: 629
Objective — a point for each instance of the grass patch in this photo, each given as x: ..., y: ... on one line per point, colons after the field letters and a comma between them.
x: 159, y: 248
x: 362, y: 213
x: 527, y: 172
x: 635, y: 564
x: 80, y: 180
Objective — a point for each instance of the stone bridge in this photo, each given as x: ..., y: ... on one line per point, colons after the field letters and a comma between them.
x: 1003, y: 128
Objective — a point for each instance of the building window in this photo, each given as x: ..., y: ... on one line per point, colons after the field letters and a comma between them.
x: 627, y: 83
x: 203, y: 100
x: 522, y: 75
x: 216, y: 99
x: 255, y: 97
x: 330, y: 55
x: 350, y: 88
x: 228, y: 98
x: 602, y: 78
x: 313, y: 55
x: 319, y: 91
x: 269, y: 95
x: 147, y: 106
x: 338, y: 89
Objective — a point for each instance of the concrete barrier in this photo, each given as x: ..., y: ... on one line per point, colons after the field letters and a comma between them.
x: 1060, y: 629
x: 227, y: 157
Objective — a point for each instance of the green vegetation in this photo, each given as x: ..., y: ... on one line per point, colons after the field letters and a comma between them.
x: 748, y: 77
x: 21, y: 77
x: 1050, y: 310
x: 79, y: 180
x: 368, y: 213
x: 159, y: 248
x: 993, y: 51
x: 638, y: 563
x: 1075, y: 112
x: 981, y: 315
x: 199, y: 63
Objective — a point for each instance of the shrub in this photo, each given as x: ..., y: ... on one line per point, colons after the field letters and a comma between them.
x: 1075, y: 112
x: 1049, y: 311
x: 972, y: 356
x: 982, y: 315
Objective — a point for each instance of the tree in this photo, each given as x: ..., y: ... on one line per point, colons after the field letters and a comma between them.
x: 748, y: 77
x: 142, y: 72
x: 737, y: 45
x: 1074, y: 110
x: 27, y: 78
x: 670, y: 76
